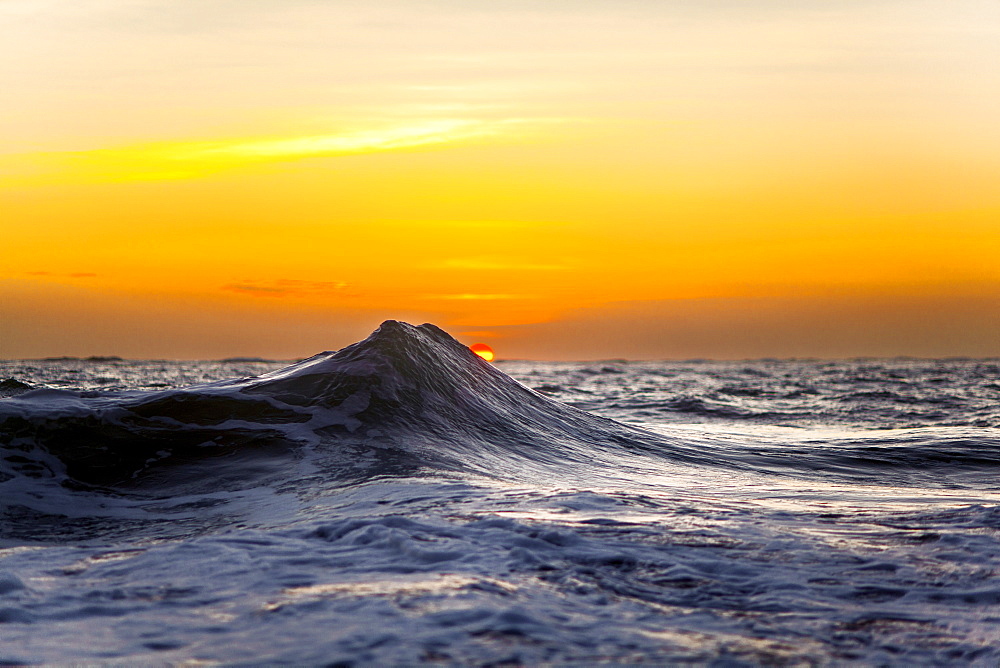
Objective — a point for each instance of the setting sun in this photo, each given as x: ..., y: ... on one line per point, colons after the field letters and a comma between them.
x: 483, y: 351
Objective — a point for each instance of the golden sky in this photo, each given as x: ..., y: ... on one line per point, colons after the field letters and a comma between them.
x: 563, y: 179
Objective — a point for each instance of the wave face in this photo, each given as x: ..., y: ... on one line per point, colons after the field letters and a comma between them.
x: 410, y: 399
x: 401, y: 501
x: 404, y: 398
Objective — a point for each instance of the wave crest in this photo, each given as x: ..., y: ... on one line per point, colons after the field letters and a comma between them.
x: 411, y: 394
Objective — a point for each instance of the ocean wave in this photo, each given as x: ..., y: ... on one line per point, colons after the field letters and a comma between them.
x: 401, y: 501
x: 412, y: 400
x: 404, y: 398
x: 11, y: 387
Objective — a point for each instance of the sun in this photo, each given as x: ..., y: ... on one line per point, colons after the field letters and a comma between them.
x: 483, y: 351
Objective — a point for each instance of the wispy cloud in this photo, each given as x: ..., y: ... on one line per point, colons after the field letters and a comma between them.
x: 487, y: 264
x: 62, y: 275
x: 192, y: 159
x: 264, y: 290
x: 287, y: 287
x: 366, y: 141
x: 469, y: 296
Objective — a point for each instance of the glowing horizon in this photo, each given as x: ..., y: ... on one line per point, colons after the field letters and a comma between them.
x: 282, y: 177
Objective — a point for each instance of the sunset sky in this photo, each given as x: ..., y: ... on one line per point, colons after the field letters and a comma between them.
x: 560, y: 179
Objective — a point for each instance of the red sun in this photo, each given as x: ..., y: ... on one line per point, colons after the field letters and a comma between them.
x: 483, y: 351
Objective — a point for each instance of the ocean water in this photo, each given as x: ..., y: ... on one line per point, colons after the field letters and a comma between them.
x: 402, y: 502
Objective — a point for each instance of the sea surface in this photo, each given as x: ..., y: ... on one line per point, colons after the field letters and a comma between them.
x: 403, y: 502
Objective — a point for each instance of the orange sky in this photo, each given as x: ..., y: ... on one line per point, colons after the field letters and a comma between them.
x: 561, y: 179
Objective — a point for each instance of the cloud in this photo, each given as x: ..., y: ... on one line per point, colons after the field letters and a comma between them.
x: 464, y: 296
x: 365, y: 141
x: 61, y: 275
x: 495, y: 265
x: 256, y: 289
x: 288, y: 287
x: 315, y: 286
x: 172, y: 160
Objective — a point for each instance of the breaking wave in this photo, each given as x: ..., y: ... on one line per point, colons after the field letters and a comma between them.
x: 402, y: 501
x: 409, y: 401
